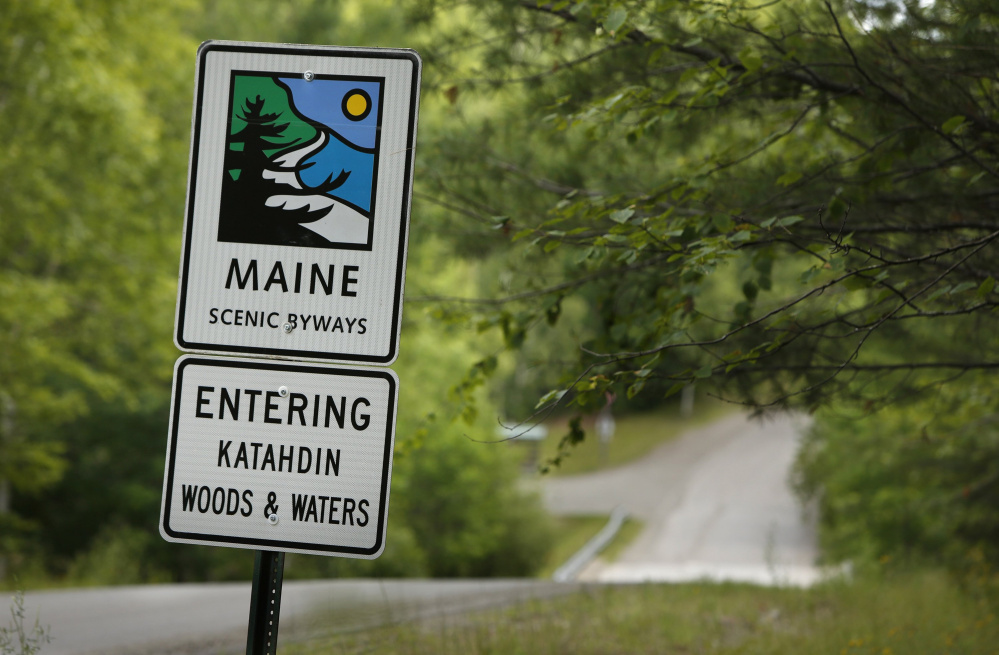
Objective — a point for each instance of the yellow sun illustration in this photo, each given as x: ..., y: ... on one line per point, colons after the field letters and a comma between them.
x: 356, y: 105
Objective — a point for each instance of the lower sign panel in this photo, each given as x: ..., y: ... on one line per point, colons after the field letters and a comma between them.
x: 279, y: 456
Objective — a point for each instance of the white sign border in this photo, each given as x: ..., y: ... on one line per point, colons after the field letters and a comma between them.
x: 277, y: 544
x: 185, y: 282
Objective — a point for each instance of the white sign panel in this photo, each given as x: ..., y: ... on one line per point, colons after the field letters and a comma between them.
x: 279, y: 456
x: 298, y: 201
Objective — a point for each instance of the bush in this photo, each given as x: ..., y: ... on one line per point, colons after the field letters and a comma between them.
x: 911, y: 483
x: 465, y: 507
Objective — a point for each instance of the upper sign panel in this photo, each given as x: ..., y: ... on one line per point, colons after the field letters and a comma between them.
x: 298, y: 201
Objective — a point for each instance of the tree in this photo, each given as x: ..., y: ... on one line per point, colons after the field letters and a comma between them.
x: 96, y: 101
x: 89, y: 90
x: 909, y: 485
x: 791, y: 201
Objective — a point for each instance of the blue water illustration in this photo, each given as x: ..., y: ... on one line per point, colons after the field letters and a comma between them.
x: 334, y: 158
x: 353, y: 136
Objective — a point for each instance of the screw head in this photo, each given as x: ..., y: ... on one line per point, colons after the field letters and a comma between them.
x: 287, y: 328
x: 309, y: 76
x: 273, y: 519
x: 282, y: 391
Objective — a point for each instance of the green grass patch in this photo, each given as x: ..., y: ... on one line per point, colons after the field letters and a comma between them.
x: 915, y: 614
x: 635, y: 435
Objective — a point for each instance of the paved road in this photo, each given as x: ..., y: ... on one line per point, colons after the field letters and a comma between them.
x: 203, y: 619
x: 716, y: 504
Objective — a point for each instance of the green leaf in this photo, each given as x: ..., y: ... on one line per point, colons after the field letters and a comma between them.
x: 704, y: 372
x: 675, y: 389
x: 552, y: 396
x: 615, y: 19
x: 487, y: 365
x: 636, y: 388
x: 722, y: 222
x: 789, y: 178
x: 963, y: 286
x: 750, y: 59
x: 986, y: 287
x: 952, y: 124
x: 976, y: 177
x: 552, y: 313
x: 807, y: 276
x: 622, y: 215
x: 837, y: 209
x: 939, y: 292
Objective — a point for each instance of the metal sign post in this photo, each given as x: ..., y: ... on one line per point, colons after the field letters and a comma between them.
x: 265, y: 603
x: 278, y: 456
x: 295, y: 240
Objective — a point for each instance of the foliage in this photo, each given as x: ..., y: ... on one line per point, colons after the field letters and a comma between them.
x: 463, y: 502
x: 17, y: 639
x: 96, y: 98
x: 115, y: 479
x: 783, y: 200
x: 90, y: 92
x: 909, y: 485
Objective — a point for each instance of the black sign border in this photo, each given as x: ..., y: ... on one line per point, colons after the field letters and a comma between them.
x: 393, y: 348
x: 277, y: 544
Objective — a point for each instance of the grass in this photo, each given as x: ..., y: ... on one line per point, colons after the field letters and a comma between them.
x: 635, y: 436
x: 572, y: 533
x: 920, y: 613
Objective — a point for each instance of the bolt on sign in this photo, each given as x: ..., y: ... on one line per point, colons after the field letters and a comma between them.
x: 298, y: 201
x: 279, y: 456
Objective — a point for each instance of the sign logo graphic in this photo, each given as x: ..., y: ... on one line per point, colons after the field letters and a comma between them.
x: 301, y: 160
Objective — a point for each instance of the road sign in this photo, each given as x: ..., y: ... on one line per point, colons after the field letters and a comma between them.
x: 298, y: 201
x: 279, y: 456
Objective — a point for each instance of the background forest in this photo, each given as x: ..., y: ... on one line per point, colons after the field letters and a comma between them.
x: 792, y: 205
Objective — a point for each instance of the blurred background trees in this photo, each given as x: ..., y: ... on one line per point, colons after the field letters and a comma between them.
x: 791, y: 204
x: 93, y: 99
x: 96, y: 105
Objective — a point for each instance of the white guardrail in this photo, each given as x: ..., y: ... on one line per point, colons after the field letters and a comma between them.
x: 575, y: 564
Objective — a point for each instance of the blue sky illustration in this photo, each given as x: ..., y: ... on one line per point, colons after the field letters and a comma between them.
x: 352, y: 146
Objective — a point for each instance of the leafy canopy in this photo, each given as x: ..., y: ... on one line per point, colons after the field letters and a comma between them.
x: 791, y: 201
